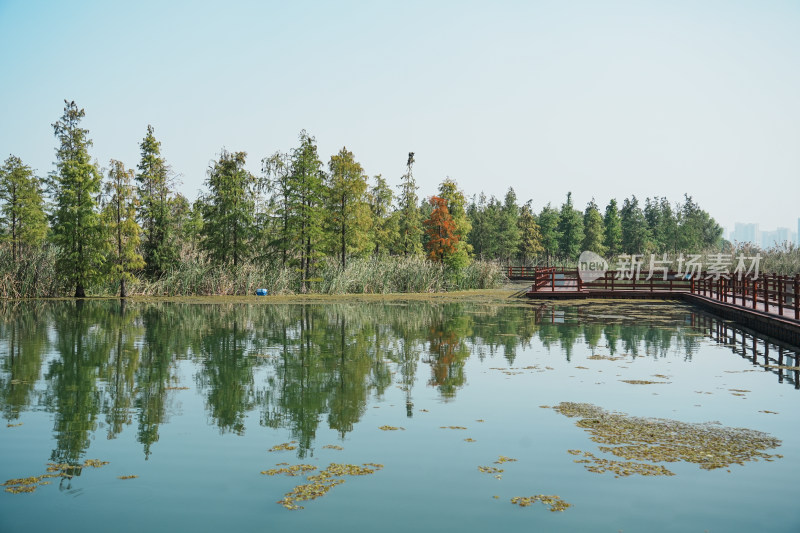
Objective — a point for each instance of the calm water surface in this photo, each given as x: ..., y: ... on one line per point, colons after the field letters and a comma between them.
x: 191, y: 398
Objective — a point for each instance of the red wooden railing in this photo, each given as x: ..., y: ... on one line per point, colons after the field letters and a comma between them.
x: 771, y: 292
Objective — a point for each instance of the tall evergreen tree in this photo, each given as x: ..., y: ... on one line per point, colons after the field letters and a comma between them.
x: 612, y: 224
x: 228, y: 209
x: 277, y: 171
x: 22, y: 219
x: 306, y: 203
x: 75, y: 186
x: 119, y: 218
x: 548, y: 224
x: 530, y: 234
x: 570, y: 229
x: 635, y: 235
x: 509, y: 236
x: 154, y: 191
x: 479, y: 236
x: 347, y: 209
x: 380, y: 203
x: 593, y: 229
x: 410, y: 217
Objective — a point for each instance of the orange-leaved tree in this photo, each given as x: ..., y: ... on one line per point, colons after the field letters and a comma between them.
x: 441, y: 231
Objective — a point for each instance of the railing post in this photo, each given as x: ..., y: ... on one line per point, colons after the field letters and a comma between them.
x: 780, y: 295
x: 553, y: 280
x: 797, y: 296
x: 766, y: 293
x: 691, y: 284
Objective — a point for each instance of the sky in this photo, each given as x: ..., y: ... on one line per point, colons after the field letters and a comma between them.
x: 604, y: 99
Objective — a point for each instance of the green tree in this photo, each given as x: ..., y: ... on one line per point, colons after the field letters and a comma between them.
x: 548, y: 223
x: 570, y: 229
x: 119, y: 218
x: 508, y: 237
x: 22, y: 219
x: 480, y: 234
x: 305, y: 204
x: 612, y: 238
x: 635, y: 235
x: 530, y: 234
x: 697, y: 230
x: 410, y: 221
x: 75, y: 186
x: 228, y: 209
x: 593, y: 229
x: 277, y: 171
x: 154, y: 191
x: 380, y: 203
x: 348, y: 212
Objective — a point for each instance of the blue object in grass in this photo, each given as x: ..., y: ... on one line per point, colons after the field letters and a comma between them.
x: 261, y: 292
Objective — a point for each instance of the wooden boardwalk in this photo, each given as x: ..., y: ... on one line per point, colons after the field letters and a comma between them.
x: 769, y: 304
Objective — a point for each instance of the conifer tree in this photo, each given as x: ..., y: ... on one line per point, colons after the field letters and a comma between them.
x: 635, y: 234
x: 119, y: 219
x: 508, y: 227
x: 277, y: 170
x: 380, y: 202
x: 228, y: 209
x: 347, y: 210
x: 306, y: 204
x: 75, y: 186
x: 593, y: 229
x: 612, y: 235
x: 570, y: 229
x: 154, y: 192
x: 441, y: 231
x: 548, y: 224
x: 530, y: 234
x: 456, y: 205
x: 22, y: 219
x: 410, y: 222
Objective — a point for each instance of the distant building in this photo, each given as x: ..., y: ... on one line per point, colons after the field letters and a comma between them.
x: 747, y: 233
x: 777, y: 237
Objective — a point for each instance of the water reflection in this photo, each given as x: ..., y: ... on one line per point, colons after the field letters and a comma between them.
x: 299, y: 366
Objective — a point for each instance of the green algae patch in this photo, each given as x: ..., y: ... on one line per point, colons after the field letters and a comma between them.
x: 391, y: 428
x: 555, y: 503
x: 320, y: 484
x: 708, y: 445
x: 296, y: 470
x: 286, y: 446
x: 64, y: 470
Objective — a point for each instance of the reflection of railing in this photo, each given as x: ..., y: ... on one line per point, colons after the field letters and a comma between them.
x: 752, y: 347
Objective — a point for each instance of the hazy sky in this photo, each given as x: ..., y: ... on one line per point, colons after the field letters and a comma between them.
x: 604, y: 99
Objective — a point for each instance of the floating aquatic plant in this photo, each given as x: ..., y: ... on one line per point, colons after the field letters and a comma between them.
x: 503, y: 459
x: 332, y: 447
x: 452, y: 427
x: 555, y: 503
x: 708, y: 445
x: 469, y: 439
x: 127, y: 477
x: 284, y: 447
x: 643, y: 382
x: 295, y: 470
x: 490, y: 470
x: 319, y: 484
x: 14, y: 425
x: 391, y: 428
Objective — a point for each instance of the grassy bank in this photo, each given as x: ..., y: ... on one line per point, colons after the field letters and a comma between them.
x: 34, y: 276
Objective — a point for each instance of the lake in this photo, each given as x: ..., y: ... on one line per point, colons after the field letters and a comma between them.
x: 394, y: 416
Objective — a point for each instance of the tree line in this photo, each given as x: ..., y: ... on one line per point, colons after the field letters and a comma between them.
x: 117, y: 223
